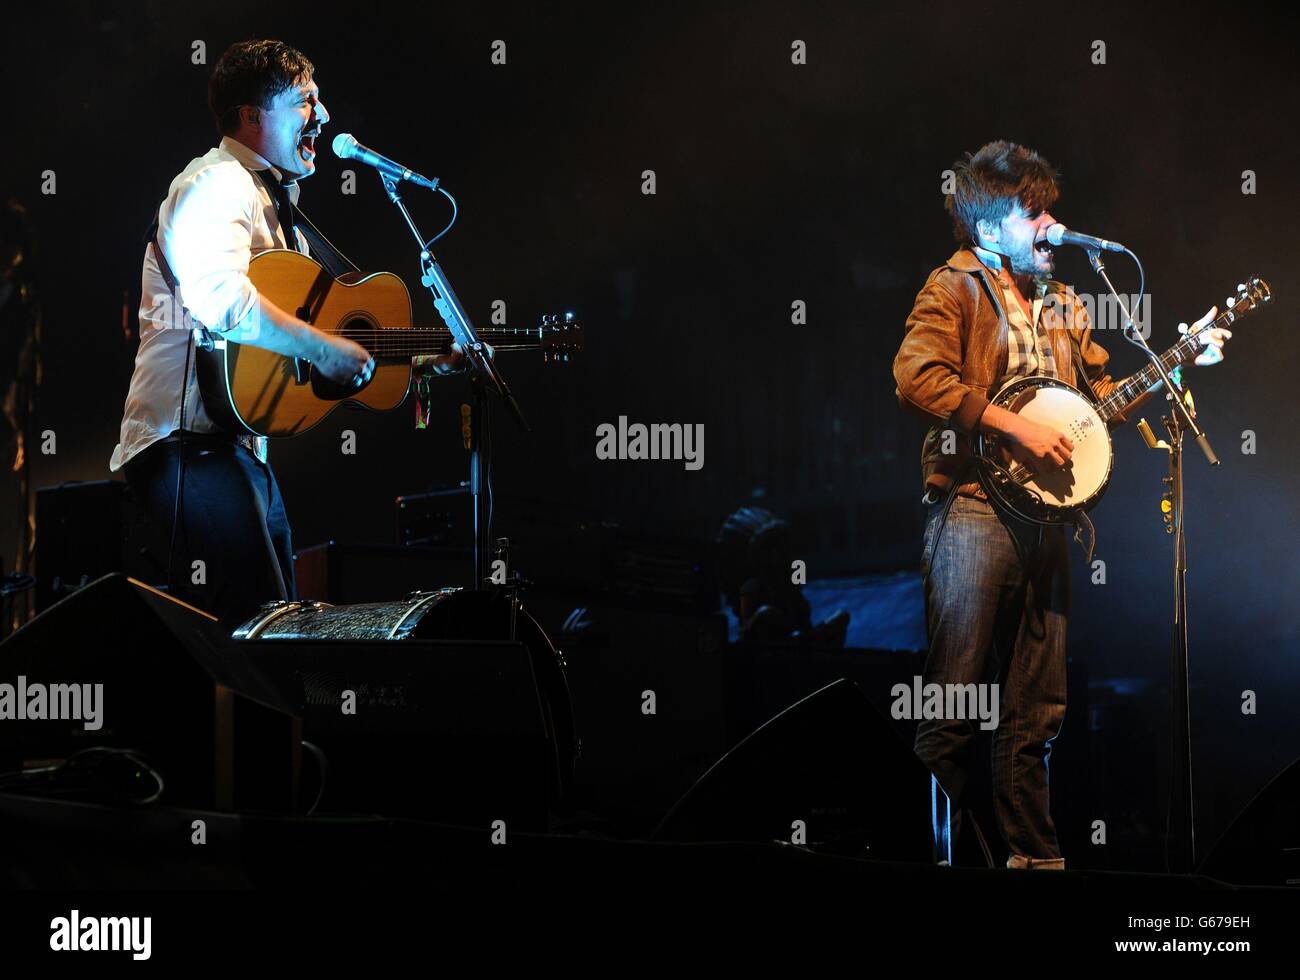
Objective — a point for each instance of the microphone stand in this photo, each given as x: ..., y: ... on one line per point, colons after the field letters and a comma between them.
x: 484, y: 378
x: 1181, y: 419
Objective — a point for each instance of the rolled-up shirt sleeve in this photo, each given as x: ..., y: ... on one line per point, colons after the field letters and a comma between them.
x: 206, y: 228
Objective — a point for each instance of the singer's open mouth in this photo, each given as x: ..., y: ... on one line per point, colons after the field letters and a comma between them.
x: 1043, y: 245
x: 307, y: 143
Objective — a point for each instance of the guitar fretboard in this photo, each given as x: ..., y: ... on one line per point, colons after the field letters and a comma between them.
x: 1139, y: 383
x: 414, y: 341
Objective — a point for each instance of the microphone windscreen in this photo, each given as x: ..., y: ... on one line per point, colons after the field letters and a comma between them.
x: 1055, y: 233
x: 342, y: 144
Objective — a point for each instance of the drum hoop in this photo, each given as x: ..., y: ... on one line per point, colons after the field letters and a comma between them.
x: 415, y: 607
x: 283, y: 609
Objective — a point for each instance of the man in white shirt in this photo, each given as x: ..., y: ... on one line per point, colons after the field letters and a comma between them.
x: 222, y: 507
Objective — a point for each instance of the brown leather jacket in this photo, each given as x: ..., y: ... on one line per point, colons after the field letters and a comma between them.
x: 955, y: 349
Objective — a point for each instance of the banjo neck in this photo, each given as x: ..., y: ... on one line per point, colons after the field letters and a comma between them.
x: 1140, y: 382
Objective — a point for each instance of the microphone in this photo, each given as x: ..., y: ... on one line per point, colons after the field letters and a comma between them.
x: 1061, y: 235
x: 346, y: 147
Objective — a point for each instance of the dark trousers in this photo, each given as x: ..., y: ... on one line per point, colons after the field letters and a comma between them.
x: 998, y: 588
x: 232, y: 520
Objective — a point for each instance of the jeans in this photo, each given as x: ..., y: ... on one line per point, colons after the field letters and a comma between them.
x: 232, y: 520
x: 996, y: 585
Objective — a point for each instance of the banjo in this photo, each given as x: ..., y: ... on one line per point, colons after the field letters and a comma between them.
x: 1054, y: 497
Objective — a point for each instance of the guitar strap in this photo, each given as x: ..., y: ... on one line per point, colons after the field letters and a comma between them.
x: 1081, y: 376
x: 322, y: 249
x: 256, y: 445
x: 152, y: 238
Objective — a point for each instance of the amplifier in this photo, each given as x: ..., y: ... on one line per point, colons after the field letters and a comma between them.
x: 557, y: 548
x: 348, y: 573
x: 85, y: 530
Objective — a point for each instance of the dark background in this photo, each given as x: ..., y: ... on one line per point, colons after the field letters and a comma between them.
x: 776, y: 183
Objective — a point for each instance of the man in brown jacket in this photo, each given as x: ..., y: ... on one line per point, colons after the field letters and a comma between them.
x: 993, y: 582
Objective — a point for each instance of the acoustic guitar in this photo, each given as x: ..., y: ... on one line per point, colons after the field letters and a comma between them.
x: 252, y: 390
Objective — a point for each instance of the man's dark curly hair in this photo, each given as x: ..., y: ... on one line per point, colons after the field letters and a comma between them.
x: 252, y: 73
x: 993, y: 180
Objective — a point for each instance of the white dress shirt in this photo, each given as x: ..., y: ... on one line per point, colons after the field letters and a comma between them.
x: 217, y: 216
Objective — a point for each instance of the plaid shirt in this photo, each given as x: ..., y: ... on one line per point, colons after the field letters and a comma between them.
x: 1029, y: 348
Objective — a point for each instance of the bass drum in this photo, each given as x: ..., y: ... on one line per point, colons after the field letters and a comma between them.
x: 443, y: 614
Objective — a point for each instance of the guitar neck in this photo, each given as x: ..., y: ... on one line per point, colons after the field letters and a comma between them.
x: 417, y: 341
x: 1140, y: 382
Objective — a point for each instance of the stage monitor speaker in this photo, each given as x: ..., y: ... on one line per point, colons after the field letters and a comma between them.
x: 1262, y: 846
x: 128, y: 667
x: 439, y: 730
x: 828, y: 761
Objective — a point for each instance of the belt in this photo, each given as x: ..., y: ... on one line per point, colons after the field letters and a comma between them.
x: 219, y: 439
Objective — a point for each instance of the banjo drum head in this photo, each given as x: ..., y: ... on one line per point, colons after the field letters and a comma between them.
x: 1085, y: 475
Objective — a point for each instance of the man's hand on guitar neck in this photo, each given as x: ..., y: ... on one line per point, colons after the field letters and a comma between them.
x: 439, y: 364
x: 1037, y: 446
x: 1213, y: 340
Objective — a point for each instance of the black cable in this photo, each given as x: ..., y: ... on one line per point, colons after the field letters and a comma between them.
x: 1173, y: 670
x: 73, y: 763
x: 178, y: 511
x: 1142, y: 288
x: 455, y: 210
x: 486, y: 436
x: 1175, y: 734
x: 979, y: 836
x: 943, y: 520
x: 952, y: 494
x: 323, y: 766
x: 1007, y: 473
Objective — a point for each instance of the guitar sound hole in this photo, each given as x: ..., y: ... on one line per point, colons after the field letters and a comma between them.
x: 359, y: 331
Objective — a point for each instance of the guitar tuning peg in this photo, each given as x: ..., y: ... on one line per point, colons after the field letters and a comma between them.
x: 1241, y: 287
